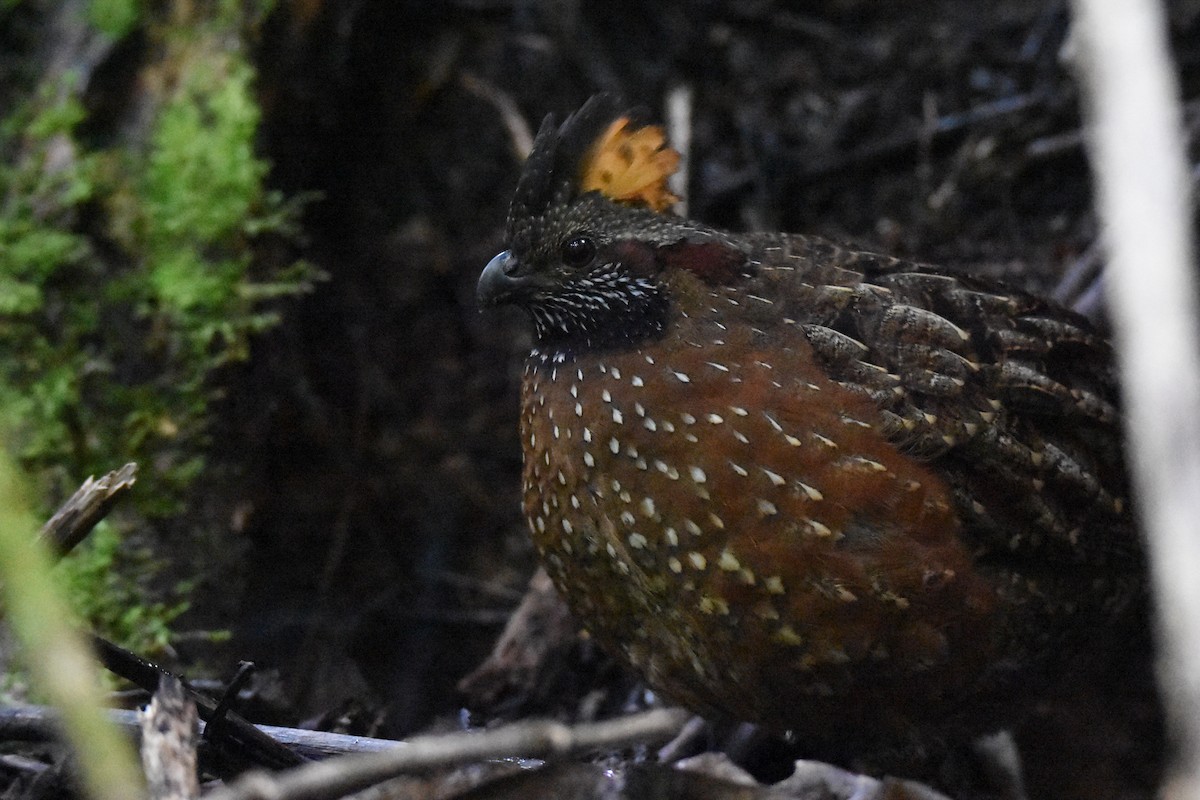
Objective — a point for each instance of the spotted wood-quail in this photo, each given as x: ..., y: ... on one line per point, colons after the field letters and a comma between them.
x: 792, y: 483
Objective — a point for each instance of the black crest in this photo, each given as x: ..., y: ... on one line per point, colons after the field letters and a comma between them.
x: 552, y: 171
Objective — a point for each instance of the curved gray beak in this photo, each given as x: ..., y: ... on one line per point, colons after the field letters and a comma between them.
x: 498, y: 282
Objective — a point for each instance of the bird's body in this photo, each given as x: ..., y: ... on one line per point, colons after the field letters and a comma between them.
x: 795, y: 484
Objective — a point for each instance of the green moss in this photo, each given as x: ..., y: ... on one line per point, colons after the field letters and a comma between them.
x: 114, y: 17
x: 97, y: 580
x: 130, y: 278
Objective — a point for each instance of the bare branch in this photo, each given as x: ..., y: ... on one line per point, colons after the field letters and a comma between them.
x: 169, y: 744
x: 534, y: 739
x: 1141, y: 173
x: 91, y: 502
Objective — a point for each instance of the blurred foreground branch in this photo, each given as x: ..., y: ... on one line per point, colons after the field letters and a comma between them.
x: 1142, y: 177
x: 57, y: 657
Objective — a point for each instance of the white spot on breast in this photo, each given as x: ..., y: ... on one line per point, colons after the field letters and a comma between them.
x: 636, y: 381
x: 766, y: 508
x: 575, y: 501
x: 668, y: 426
x: 728, y: 562
x: 650, y: 425
x: 866, y: 463
x: 639, y: 409
x: 812, y: 493
x: 715, y: 419
x: 587, y: 434
x: 741, y: 437
x: 774, y: 585
x: 775, y: 477
x: 647, y: 506
x: 697, y: 474
x: 606, y: 396
x: 698, y: 560
x: 566, y: 526
x: 675, y: 565
x: 671, y: 536
x: 741, y: 412
x: 541, y: 524
x: 588, y: 459
x: 649, y: 360
x: 628, y: 519
x: 819, y: 529
x: 574, y: 390
x: 691, y: 527
x: 617, y: 417
x: 825, y: 440
x: 715, y: 365
x: 555, y: 429
x: 740, y: 470
x: 717, y: 522
x: 614, y: 446
x: 792, y: 440
x: 616, y: 373
x: 578, y: 410
x: 637, y: 541
x: 683, y: 378
x: 688, y: 419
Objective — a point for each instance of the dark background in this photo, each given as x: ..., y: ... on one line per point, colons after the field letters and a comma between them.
x: 365, y: 468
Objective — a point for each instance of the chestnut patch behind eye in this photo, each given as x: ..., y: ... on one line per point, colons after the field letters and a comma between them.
x: 714, y: 263
x: 637, y: 257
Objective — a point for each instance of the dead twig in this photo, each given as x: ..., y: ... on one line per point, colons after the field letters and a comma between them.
x: 42, y: 723
x: 679, y: 134
x: 91, y: 502
x: 234, y: 734
x: 534, y: 739
x: 169, y: 744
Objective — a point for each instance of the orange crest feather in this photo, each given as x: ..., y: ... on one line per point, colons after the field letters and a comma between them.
x: 631, y: 166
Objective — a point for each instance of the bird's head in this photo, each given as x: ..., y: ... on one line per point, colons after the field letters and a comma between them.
x: 590, y: 235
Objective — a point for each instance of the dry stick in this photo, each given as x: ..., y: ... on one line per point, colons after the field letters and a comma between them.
x: 325, y: 780
x: 1142, y: 177
x: 679, y: 134
x: 67, y: 528
x: 169, y: 744
x: 71, y: 524
x: 43, y: 723
x: 231, y: 729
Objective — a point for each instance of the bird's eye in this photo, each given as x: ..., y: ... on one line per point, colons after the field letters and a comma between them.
x: 578, y: 251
